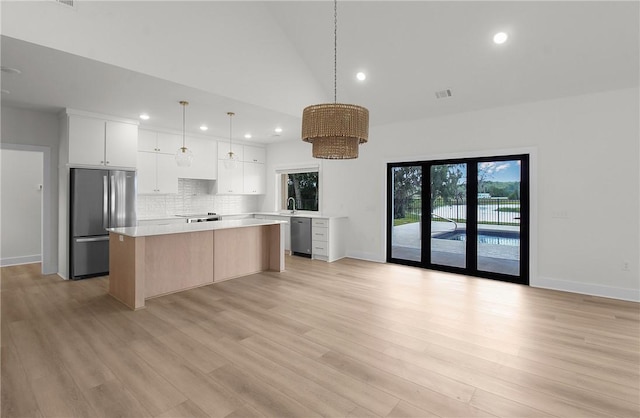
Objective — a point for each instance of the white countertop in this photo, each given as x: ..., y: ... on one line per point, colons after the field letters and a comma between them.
x: 299, y: 214
x: 151, y: 230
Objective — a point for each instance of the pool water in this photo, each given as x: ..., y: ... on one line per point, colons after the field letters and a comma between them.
x: 485, y: 237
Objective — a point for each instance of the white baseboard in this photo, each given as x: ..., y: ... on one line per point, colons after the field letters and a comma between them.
x: 16, y: 261
x: 367, y: 257
x: 632, y: 295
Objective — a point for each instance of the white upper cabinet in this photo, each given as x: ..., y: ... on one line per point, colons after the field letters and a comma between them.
x: 157, y: 173
x: 254, y: 178
x: 151, y: 141
x: 230, y: 180
x: 223, y: 150
x: 248, y: 177
x: 168, y: 143
x: 98, y: 142
x: 205, y: 160
x: 147, y: 141
x: 254, y: 154
x: 86, y: 140
x: 121, y: 142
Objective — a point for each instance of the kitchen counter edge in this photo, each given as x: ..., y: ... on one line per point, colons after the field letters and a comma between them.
x: 153, y: 230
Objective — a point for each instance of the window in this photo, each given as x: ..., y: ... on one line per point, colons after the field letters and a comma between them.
x: 301, y: 187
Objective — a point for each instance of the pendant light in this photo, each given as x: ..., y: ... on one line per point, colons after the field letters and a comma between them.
x: 231, y: 160
x: 335, y: 129
x: 184, y: 156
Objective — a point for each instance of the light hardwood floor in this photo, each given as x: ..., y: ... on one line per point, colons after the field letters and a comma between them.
x: 349, y: 338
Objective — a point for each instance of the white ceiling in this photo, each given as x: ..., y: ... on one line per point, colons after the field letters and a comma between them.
x: 267, y: 60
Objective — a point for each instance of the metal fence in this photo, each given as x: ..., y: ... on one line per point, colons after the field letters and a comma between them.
x: 495, y: 211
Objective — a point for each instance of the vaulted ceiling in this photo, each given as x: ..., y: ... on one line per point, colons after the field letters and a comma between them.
x: 268, y: 60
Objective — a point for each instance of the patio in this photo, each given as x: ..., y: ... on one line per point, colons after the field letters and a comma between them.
x: 407, y: 244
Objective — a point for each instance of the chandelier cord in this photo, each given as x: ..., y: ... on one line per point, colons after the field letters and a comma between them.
x: 335, y: 51
x: 184, y: 105
x: 230, y: 123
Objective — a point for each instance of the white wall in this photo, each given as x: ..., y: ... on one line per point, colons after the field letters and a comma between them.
x: 585, y: 163
x: 20, y: 206
x: 23, y: 128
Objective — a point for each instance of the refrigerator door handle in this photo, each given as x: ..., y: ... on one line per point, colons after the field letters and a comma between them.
x: 113, y: 215
x: 95, y: 239
x: 105, y: 203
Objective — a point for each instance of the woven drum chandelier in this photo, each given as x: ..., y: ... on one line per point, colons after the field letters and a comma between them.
x: 335, y: 129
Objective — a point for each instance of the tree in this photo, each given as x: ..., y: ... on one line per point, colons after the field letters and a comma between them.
x: 303, y: 187
x: 407, y: 183
x: 446, y: 182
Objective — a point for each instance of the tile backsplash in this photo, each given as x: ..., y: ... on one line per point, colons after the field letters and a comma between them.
x: 194, y: 197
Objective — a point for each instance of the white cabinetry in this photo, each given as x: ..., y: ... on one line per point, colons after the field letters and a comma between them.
x: 157, y: 168
x: 248, y: 176
x: 254, y: 178
x: 99, y: 142
x: 328, y: 238
x: 254, y: 154
x: 205, y: 160
x: 152, y: 141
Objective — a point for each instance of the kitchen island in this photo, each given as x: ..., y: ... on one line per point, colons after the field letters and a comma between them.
x: 154, y: 260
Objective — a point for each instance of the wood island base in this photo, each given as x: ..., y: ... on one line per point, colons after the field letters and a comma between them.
x: 143, y: 267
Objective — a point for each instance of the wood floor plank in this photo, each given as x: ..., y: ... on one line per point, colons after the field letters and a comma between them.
x: 153, y: 391
x: 207, y: 394
x: 260, y: 396
x: 422, y: 397
x: 58, y: 396
x: 406, y: 410
x: 112, y: 399
x: 186, y: 409
x: 366, y: 396
x: 18, y: 399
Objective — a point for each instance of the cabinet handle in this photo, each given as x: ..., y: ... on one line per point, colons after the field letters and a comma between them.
x: 101, y: 162
x: 107, y: 162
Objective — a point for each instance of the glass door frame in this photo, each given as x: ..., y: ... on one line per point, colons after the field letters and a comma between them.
x: 471, y: 268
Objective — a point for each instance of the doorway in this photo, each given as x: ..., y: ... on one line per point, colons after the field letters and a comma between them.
x: 46, y: 233
x: 466, y: 215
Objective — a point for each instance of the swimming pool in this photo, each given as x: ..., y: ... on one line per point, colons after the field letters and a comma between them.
x: 511, y: 238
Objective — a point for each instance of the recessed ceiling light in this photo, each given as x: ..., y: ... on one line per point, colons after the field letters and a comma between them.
x: 278, y: 130
x: 9, y: 70
x: 204, y: 128
x: 500, y: 38
x: 144, y: 116
x: 361, y: 76
x: 247, y: 136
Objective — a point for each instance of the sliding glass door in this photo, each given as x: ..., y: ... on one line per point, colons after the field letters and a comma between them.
x: 472, y: 219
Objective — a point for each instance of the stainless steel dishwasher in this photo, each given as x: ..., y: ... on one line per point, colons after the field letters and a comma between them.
x: 301, y: 236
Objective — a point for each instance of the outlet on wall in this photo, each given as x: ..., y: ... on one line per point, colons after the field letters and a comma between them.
x: 625, y: 266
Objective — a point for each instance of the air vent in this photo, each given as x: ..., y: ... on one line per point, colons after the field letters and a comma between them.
x: 68, y: 3
x: 443, y: 94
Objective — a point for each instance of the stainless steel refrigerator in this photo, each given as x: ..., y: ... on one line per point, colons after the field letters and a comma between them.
x: 100, y: 199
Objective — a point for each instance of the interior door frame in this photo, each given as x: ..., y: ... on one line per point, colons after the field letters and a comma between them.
x: 470, y: 269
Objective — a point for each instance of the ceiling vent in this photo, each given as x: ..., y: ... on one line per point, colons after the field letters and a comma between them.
x: 443, y: 94
x: 68, y: 3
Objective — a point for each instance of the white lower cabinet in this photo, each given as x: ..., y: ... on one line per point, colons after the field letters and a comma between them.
x: 157, y: 173
x: 328, y: 238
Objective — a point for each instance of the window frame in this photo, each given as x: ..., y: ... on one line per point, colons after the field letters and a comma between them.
x: 282, y: 190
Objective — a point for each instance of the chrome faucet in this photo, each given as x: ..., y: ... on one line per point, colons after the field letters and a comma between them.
x: 293, y: 206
